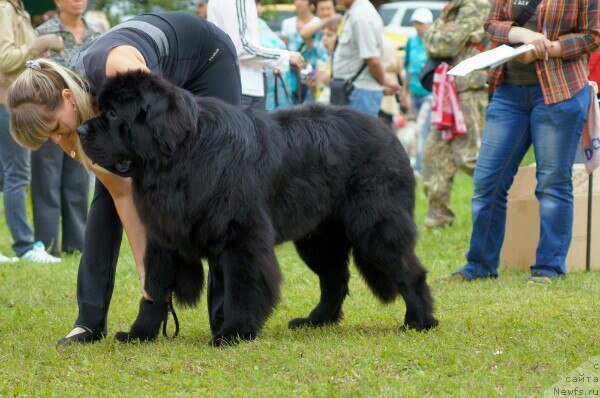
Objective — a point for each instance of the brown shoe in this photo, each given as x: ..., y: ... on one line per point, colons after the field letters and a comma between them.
x: 454, y: 277
x: 431, y: 223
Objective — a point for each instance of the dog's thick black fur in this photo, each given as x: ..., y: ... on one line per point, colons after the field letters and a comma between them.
x: 211, y: 180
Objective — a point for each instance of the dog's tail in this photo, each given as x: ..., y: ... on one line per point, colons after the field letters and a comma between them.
x: 190, y: 282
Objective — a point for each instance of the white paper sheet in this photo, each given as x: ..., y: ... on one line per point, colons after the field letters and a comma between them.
x: 490, y: 58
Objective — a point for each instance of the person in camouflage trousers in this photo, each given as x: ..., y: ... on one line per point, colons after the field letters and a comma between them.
x: 458, y: 34
x: 59, y: 184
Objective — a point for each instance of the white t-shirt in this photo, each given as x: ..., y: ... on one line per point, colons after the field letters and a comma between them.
x: 361, y: 38
x: 289, y: 31
x: 239, y: 19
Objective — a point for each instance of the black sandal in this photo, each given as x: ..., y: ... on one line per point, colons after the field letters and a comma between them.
x: 87, y: 336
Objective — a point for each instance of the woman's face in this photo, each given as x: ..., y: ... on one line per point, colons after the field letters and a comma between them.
x: 325, y: 9
x: 302, y: 5
x: 329, y: 37
x: 63, y: 124
x: 73, y: 7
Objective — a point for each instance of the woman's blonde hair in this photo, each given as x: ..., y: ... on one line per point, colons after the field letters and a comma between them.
x: 37, y: 94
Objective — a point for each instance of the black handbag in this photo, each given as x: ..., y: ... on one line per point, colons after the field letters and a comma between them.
x: 426, y: 74
x: 342, y: 88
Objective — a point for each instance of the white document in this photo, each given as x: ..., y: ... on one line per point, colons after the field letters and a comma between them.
x: 490, y: 58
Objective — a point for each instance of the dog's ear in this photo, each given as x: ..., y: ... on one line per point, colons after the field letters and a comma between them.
x: 172, y: 116
x: 169, y: 111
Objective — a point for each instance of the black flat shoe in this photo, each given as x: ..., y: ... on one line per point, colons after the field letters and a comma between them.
x: 85, y: 337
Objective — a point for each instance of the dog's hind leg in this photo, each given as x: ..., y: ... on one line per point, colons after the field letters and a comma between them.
x: 326, y: 253
x: 384, y: 254
x: 251, y: 278
x: 159, y: 283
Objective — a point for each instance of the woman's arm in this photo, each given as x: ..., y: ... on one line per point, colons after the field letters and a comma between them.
x: 497, y: 24
x: 541, y: 43
x: 308, y: 31
x: 572, y: 45
x: 500, y: 29
x: 122, y: 59
x: 587, y: 39
x: 555, y: 51
x: 121, y: 193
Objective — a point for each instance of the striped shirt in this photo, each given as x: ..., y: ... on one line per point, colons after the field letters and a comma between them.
x: 239, y: 19
x: 574, y: 23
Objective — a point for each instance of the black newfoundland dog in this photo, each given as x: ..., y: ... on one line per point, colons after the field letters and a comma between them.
x: 211, y: 180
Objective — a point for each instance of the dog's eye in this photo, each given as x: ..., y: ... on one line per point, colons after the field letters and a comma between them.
x: 123, y: 166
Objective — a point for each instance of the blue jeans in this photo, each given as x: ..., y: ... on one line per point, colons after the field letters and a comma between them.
x: 15, y: 161
x: 516, y: 119
x: 366, y: 101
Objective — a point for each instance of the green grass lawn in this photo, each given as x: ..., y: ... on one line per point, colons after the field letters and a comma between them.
x: 496, y: 338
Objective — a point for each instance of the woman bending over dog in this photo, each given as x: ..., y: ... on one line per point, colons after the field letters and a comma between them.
x: 50, y: 101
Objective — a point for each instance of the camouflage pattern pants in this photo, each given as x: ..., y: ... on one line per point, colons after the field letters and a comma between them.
x: 442, y: 159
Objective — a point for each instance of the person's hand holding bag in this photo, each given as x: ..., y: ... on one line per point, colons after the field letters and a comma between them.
x: 48, y: 42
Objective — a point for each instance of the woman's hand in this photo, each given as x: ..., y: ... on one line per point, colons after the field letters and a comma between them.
x: 335, y: 17
x: 527, y: 58
x: 391, y: 88
x: 521, y: 35
x: 297, y: 60
x: 48, y: 42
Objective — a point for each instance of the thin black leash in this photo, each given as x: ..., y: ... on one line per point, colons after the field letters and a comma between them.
x: 164, y: 325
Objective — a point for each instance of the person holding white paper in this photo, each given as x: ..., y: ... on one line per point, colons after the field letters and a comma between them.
x: 541, y: 99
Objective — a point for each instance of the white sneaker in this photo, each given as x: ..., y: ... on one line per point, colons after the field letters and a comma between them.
x: 38, y: 254
x: 11, y: 260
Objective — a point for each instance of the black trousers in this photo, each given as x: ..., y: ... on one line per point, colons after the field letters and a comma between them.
x: 104, y: 231
x: 59, y: 190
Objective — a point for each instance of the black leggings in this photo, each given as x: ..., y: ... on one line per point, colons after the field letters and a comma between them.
x: 104, y: 231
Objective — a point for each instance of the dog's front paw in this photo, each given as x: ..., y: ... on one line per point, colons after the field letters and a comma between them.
x: 420, y: 326
x: 309, y: 322
x: 129, y: 337
x: 300, y: 322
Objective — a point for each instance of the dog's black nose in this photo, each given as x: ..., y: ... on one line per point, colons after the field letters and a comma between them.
x: 82, y: 131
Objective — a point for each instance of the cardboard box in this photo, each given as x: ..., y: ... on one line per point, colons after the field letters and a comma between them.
x: 523, y: 221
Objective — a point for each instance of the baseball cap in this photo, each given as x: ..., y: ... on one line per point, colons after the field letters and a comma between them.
x: 422, y: 15
x: 199, y: 2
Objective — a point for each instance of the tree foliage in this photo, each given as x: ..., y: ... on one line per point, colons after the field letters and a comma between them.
x: 118, y: 10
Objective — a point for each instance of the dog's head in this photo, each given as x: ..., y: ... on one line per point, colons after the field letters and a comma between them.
x: 143, y: 120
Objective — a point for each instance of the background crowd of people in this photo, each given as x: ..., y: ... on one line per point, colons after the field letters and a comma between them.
x: 329, y: 52
x: 326, y: 40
